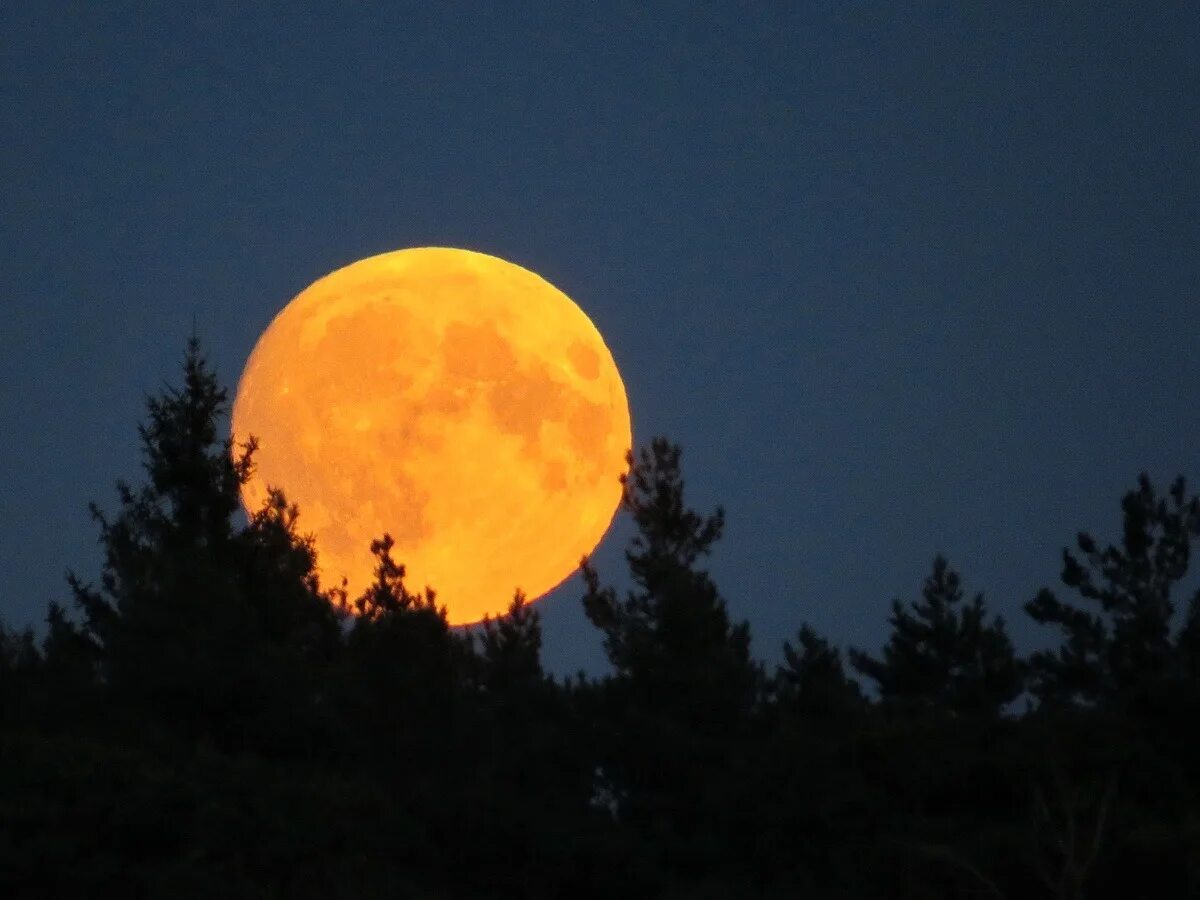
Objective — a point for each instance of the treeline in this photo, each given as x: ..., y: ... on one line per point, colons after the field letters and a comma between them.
x: 208, y: 720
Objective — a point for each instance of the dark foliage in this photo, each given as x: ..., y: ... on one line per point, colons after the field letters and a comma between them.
x: 671, y: 718
x: 511, y: 646
x: 209, y: 720
x: 670, y: 639
x: 1123, y: 646
x: 812, y: 683
x: 943, y: 653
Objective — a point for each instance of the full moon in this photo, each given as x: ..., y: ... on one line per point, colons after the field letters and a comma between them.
x: 454, y: 400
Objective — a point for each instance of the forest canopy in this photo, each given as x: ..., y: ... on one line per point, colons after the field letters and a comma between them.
x: 205, y: 717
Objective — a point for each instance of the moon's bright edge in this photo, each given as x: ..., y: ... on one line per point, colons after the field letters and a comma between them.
x: 452, y: 399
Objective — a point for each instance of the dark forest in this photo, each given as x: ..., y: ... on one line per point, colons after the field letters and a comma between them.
x: 204, y: 718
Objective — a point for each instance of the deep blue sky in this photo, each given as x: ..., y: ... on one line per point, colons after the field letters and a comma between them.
x: 899, y: 281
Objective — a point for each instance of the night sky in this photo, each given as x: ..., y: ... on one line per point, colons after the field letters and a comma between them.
x: 898, y: 281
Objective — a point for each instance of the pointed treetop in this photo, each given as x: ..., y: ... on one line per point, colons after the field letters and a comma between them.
x: 943, y: 653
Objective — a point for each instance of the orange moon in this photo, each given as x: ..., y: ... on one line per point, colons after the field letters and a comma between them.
x: 454, y: 400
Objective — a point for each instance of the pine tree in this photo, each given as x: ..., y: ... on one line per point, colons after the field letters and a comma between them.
x: 510, y: 648
x: 812, y: 682
x: 671, y: 638
x: 673, y: 722
x: 404, y: 669
x: 943, y: 653
x: 1123, y: 645
x: 532, y: 762
x: 405, y: 635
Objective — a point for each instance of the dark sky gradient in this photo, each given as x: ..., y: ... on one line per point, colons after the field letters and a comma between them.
x: 898, y: 281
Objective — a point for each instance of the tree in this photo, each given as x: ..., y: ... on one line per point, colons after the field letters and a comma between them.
x: 1123, y: 645
x: 943, y: 653
x: 671, y: 638
x: 194, y: 617
x: 1188, y: 643
x: 812, y: 682
x: 532, y: 778
x: 403, y: 670
x: 20, y: 669
x: 18, y: 651
x: 671, y: 724
x: 510, y: 649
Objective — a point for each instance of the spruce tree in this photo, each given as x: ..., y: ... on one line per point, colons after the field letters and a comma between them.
x: 194, y: 615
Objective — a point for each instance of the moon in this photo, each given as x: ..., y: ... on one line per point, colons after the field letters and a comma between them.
x: 454, y: 400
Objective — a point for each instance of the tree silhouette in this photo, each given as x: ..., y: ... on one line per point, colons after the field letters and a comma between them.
x: 1124, y: 644
x: 1188, y: 642
x: 510, y: 648
x: 18, y: 650
x: 1127, y: 674
x: 387, y: 599
x: 155, y: 619
x: 195, y: 618
x: 403, y: 671
x: 671, y: 637
x: 672, y: 721
x: 812, y: 682
x: 20, y: 671
x: 943, y: 653
x: 218, y: 723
